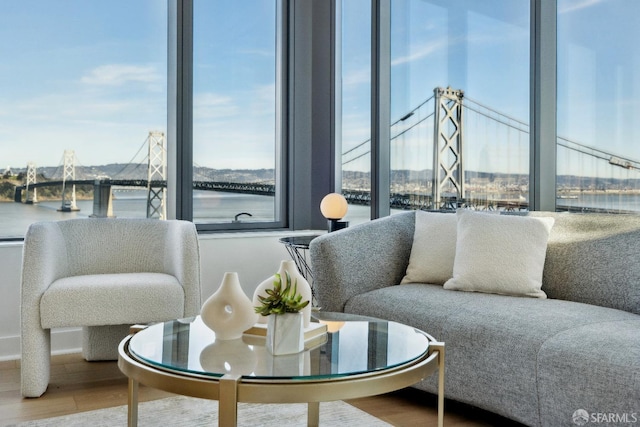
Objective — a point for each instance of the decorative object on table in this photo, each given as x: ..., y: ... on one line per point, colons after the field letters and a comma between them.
x: 286, y: 267
x: 334, y: 207
x: 285, y: 323
x: 229, y: 311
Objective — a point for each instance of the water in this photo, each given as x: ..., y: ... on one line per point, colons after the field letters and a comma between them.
x: 216, y: 207
x: 210, y: 207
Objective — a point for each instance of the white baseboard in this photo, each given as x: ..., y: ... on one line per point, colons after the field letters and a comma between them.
x: 63, y: 341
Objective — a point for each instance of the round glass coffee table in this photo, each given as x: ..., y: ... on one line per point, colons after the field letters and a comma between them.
x: 356, y: 358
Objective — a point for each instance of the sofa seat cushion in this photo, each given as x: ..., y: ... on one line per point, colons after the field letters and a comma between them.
x: 127, y: 298
x: 477, y: 328
x: 593, y: 369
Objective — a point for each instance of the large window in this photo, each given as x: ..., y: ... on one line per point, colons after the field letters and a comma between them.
x: 84, y: 89
x: 458, y: 130
x: 236, y: 116
x: 82, y: 98
x: 598, y: 166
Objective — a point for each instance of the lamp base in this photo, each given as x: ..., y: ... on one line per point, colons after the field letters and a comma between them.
x: 335, y: 225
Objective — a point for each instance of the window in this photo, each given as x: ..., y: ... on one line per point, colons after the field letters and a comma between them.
x: 82, y: 96
x: 598, y: 155
x: 458, y: 130
x: 236, y: 116
x: 459, y: 80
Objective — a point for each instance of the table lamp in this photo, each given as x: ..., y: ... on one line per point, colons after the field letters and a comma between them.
x: 334, y: 207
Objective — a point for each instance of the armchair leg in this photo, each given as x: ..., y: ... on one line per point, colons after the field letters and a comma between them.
x: 35, y: 365
x: 101, y: 342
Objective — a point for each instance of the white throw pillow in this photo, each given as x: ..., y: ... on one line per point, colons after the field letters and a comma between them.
x: 433, y: 249
x: 500, y: 254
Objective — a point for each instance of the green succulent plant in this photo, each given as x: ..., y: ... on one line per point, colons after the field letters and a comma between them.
x: 281, y: 300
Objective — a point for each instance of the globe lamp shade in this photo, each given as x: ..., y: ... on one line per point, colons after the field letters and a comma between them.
x: 334, y: 207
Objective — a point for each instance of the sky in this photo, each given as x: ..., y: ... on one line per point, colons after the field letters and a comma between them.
x: 86, y: 76
x: 91, y: 76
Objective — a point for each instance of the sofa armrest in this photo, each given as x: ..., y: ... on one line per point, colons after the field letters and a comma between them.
x: 359, y: 259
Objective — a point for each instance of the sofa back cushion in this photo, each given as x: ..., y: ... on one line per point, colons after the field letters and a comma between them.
x: 594, y: 259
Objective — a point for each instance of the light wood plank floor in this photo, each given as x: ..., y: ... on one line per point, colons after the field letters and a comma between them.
x: 77, y: 386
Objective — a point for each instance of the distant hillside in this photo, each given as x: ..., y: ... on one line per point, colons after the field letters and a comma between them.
x: 403, y: 180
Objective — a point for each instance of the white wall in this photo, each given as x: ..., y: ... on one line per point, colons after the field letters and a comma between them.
x: 255, y: 256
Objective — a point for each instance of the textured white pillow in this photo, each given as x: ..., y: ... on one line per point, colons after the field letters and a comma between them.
x: 433, y: 249
x: 500, y: 254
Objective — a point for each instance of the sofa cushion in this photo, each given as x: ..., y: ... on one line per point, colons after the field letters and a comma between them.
x: 493, y: 341
x: 593, y: 369
x: 433, y: 248
x: 126, y: 298
x: 500, y: 254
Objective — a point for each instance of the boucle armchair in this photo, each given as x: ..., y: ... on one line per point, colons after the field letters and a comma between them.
x: 103, y: 275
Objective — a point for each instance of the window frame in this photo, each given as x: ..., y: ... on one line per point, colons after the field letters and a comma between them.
x: 180, y: 120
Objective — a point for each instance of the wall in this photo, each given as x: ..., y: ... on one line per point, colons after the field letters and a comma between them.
x: 255, y: 256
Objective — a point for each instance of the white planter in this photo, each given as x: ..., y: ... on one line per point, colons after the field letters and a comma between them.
x: 285, y: 333
x: 304, y: 289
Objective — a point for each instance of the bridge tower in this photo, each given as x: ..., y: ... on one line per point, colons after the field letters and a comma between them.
x: 156, y: 176
x: 69, y: 173
x: 448, y: 138
x: 31, y: 179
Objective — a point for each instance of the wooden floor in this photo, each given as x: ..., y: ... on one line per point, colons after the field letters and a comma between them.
x: 77, y: 386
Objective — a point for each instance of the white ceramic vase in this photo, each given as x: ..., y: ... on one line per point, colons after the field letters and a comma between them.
x: 303, y: 289
x: 229, y: 311
x: 285, y: 333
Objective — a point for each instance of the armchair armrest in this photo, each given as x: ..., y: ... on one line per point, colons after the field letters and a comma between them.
x: 360, y: 259
x: 182, y: 259
x: 45, y: 254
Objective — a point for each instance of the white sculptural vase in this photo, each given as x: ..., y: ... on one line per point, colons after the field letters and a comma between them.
x: 304, y: 289
x: 285, y: 333
x: 229, y: 311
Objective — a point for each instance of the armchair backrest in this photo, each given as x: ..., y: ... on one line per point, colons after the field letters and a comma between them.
x: 57, y: 249
x: 99, y: 246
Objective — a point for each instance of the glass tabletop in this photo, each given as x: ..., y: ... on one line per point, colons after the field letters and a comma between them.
x: 355, y: 347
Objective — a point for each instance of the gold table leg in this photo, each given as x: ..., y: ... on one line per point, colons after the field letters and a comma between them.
x: 132, y: 404
x: 439, y: 347
x: 228, y: 403
x: 313, y: 414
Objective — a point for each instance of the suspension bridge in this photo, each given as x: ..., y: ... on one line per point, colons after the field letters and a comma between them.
x: 154, y: 166
x: 456, y: 138
x: 438, y: 129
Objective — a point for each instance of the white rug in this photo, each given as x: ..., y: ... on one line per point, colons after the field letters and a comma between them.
x: 191, y: 412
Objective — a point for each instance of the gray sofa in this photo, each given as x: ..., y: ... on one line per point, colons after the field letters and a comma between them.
x: 536, y: 361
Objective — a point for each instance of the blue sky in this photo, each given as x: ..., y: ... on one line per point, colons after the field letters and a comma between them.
x: 91, y: 76
x: 88, y: 76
